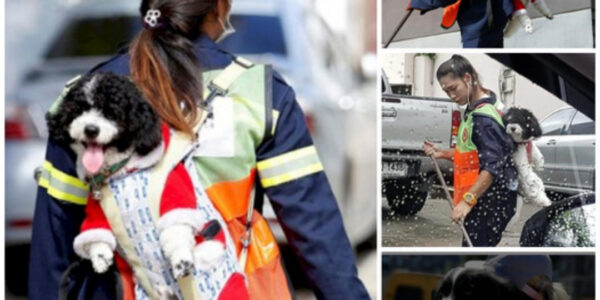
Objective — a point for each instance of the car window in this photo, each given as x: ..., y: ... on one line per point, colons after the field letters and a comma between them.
x: 572, y: 228
x: 554, y: 124
x: 581, y: 124
x: 99, y: 36
x: 255, y: 34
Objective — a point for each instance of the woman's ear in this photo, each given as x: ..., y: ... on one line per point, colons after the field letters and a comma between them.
x: 223, y: 8
x: 468, y: 79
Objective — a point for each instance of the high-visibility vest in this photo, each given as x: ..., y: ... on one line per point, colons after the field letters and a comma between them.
x: 227, y: 169
x: 466, y: 160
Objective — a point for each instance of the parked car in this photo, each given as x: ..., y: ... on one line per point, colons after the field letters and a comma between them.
x: 71, y: 51
x: 568, y: 145
x: 407, y: 121
x: 570, y: 222
x: 287, y: 34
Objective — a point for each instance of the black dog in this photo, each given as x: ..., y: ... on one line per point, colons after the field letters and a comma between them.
x: 104, y: 118
x: 475, y: 284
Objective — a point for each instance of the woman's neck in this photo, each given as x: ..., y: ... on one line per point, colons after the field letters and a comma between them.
x: 479, y: 93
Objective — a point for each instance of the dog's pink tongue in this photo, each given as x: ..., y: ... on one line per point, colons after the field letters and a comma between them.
x: 92, y: 159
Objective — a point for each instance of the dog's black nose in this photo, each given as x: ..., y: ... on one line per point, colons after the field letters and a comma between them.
x: 91, y: 131
x: 513, y: 129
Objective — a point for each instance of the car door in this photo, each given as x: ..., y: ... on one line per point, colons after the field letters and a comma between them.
x: 553, y: 128
x: 575, y: 153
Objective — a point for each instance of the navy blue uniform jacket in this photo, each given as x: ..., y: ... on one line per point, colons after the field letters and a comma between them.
x: 305, y: 207
x: 494, y: 148
x: 481, y: 22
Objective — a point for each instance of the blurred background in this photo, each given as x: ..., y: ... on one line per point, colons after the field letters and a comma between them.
x: 414, y: 277
x: 324, y: 49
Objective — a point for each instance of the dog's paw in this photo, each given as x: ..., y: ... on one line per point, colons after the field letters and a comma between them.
x: 526, y: 23
x: 101, y: 256
x: 208, y: 254
x: 165, y: 293
x: 545, y: 202
x: 182, y: 263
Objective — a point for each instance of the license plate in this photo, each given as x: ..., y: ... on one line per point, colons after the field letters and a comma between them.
x: 395, y: 169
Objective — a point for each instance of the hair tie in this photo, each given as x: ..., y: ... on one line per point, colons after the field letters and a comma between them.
x: 153, y: 19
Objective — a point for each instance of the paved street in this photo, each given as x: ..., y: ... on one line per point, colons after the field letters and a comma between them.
x: 432, y: 227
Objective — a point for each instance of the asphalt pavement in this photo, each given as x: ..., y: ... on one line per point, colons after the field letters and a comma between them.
x: 431, y: 227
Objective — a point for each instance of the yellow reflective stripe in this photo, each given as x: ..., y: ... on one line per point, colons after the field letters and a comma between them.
x: 289, y: 166
x: 275, y: 117
x: 287, y: 157
x: 286, y: 177
x: 65, y: 178
x: 63, y: 186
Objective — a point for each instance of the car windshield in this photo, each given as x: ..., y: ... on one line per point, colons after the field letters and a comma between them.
x: 556, y: 122
x: 97, y: 36
x: 255, y: 34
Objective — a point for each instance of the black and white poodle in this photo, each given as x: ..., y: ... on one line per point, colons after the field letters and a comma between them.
x: 474, y: 284
x: 107, y: 122
x: 522, y: 126
x: 104, y: 118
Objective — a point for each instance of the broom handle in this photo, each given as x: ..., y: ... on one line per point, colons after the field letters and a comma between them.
x: 398, y: 28
x: 449, y: 198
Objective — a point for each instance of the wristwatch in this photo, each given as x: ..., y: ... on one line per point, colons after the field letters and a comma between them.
x: 470, y: 199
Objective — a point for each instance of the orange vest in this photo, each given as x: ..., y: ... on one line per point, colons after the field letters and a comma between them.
x: 466, y: 160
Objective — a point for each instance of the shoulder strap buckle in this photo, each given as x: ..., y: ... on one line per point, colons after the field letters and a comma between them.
x: 220, y: 85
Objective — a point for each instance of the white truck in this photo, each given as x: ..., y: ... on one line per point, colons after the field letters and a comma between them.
x: 407, y: 121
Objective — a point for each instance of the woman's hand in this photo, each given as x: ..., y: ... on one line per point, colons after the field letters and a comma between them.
x: 430, y: 150
x: 460, y: 211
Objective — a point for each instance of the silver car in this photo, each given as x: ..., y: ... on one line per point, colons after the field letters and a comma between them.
x: 568, y: 145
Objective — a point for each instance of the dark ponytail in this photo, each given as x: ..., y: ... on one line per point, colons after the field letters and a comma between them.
x: 458, y: 66
x: 163, y: 63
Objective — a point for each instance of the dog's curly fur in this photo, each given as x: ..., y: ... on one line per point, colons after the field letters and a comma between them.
x: 522, y: 126
x: 466, y: 283
x: 118, y: 100
x: 128, y: 124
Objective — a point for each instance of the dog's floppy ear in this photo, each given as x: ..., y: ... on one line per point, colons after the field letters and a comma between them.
x: 507, y: 116
x: 534, y: 126
x: 58, y: 127
x: 149, y: 131
x: 59, y: 119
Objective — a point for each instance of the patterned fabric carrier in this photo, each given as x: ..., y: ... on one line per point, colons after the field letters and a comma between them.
x: 139, y: 243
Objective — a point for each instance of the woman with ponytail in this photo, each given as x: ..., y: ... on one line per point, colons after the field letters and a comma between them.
x: 257, y: 141
x: 485, y: 178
